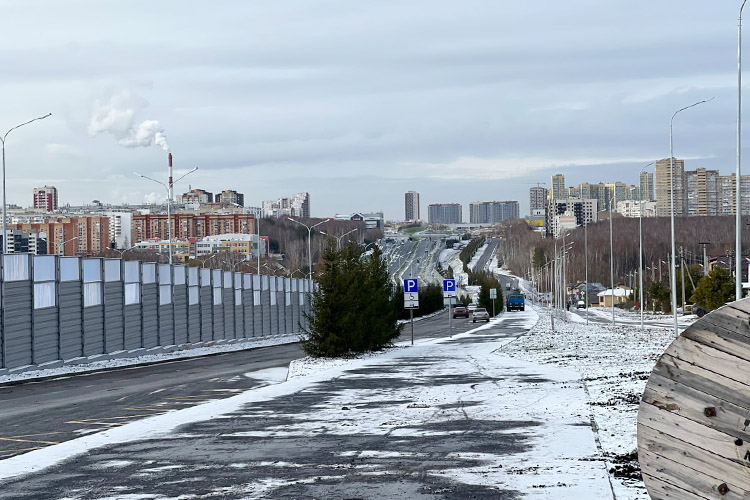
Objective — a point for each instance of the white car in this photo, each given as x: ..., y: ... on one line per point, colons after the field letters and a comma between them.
x: 481, y: 314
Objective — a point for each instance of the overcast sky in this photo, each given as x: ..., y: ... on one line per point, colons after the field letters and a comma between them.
x: 358, y: 102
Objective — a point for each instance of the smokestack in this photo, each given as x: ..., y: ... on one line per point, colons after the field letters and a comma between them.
x: 170, y: 168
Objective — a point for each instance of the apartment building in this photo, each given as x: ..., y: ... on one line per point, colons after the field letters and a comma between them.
x: 493, y: 212
x: 229, y: 197
x: 188, y: 225
x: 664, y: 172
x: 537, y: 199
x: 445, y: 213
x: 557, y: 187
x: 297, y: 205
x: 411, y: 205
x: 71, y: 235
x: 584, y: 212
x: 703, y: 192
x: 646, y: 186
x: 45, y: 198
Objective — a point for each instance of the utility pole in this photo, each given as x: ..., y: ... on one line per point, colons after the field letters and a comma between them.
x: 682, y: 272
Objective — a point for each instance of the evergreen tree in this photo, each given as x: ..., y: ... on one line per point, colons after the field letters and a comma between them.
x: 714, y: 290
x: 353, y: 310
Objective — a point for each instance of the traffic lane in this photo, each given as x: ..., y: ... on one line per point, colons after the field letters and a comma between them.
x: 37, y: 414
x: 291, y: 443
x: 34, y: 415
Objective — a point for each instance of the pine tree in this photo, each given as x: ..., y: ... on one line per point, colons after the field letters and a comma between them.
x: 353, y: 310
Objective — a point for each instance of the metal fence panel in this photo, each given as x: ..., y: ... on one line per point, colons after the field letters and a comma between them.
x: 207, y: 308
x: 17, y: 306
x: 218, y: 303
x: 248, y: 319
x: 150, y: 314
x: 114, y: 316
x: 71, y: 318
x: 180, y: 300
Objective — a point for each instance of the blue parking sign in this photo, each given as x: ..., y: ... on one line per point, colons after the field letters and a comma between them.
x: 449, y: 286
x: 411, y: 285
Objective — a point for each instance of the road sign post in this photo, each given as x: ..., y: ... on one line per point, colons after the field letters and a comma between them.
x: 493, y: 296
x: 449, y: 292
x: 411, y: 301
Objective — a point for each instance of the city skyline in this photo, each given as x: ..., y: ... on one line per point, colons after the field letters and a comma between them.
x: 459, y: 102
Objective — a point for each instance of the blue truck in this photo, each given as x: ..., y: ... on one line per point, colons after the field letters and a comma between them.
x: 515, y: 301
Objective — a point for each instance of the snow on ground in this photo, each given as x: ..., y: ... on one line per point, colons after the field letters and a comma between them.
x: 183, y: 352
x: 614, y: 363
x: 477, y: 255
x: 535, y: 416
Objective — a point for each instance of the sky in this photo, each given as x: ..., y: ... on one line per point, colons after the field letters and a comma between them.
x: 358, y: 102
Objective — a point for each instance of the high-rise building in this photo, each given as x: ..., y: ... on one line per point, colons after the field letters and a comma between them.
x: 493, y: 212
x: 584, y: 211
x: 184, y: 226
x: 557, y: 187
x: 71, y: 235
x: 571, y: 192
x: 196, y: 196
x: 411, y: 205
x: 297, y: 205
x: 663, y: 187
x: 647, y: 186
x: 702, y: 192
x: 616, y: 192
x: 727, y: 194
x: 445, y: 213
x: 45, y: 198
x: 537, y: 198
x: 230, y: 197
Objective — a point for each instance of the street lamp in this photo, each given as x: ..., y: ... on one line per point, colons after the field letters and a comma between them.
x: 738, y: 204
x: 338, y: 238
x: 612, y: 256
x: 62, y: 245
x: 5, y: 205
x: 168, y: 187
x: 309, y: 237
x: 640, y: 246
x: 671, y: 205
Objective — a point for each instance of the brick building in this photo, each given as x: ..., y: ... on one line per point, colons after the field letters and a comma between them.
x: 184, y: 226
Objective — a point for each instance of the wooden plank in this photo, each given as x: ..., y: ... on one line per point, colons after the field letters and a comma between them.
x: 662, y: 490
x: 703, y: 380
x: 693, y: 434
x: 722, y: 340
x: 684, y: 452
x: 712, y: 359
x: 690, y: 403
x: 677, y: 462
x: 728, y: 318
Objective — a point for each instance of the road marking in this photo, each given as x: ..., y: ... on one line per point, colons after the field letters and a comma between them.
x: 40, y: 434
x: 144, y: 408
x: 28, y: 441
x: 108, y: 424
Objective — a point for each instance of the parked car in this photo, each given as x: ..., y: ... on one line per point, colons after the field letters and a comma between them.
x: 460, y: 311
x: 581, y: 305
x: 515, y: 301
x: 480, y: 313
x: 472, y: 307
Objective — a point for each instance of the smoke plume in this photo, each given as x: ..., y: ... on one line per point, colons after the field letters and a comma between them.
x: 117, y: 117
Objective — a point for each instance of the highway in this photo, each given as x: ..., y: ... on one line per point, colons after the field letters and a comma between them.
x: 37, y: 414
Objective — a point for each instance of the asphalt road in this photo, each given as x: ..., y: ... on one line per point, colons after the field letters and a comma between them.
x: 38, y: 414
x: 484, y: 260
x: 211, y: 459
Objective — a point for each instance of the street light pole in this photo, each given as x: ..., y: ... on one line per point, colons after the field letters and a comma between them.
x: 338, y: 238
x: 640, y: 246
x: 309, y: 237
x: 611, y: 259
x: 5, y: 204
x: 168, y: 187
x: 673, y: 281
x: 738, y: 179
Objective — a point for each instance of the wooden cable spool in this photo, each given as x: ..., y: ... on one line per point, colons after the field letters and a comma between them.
x: 694, y: 416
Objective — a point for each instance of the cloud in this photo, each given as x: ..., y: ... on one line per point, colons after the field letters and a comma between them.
x: 116, y: 116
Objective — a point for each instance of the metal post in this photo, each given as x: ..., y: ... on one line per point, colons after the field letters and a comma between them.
x: 640, y: 247
x: 673, y: 281
x: 5, y: 204
x: 411, y: 317
x: 586, y: 244
x: 682, y: 272
x: 738, y: 191
x: 611, y: 262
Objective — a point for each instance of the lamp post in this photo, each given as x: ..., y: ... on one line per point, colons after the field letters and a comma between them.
x: 62, y: 245
x: 586, y: 264
x: 611, y: 259
x: 738, y: 179
x: 309, y: 237
x: 168, y: 188
x: 121, y: 252
x: 338, y: 238
x: 640, y: 246
x: 673, y: 281
x: 5, y: 204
